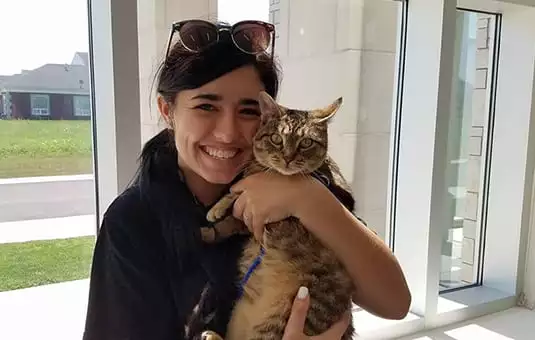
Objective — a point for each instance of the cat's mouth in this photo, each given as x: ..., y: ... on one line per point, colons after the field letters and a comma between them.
x: 219, y: 153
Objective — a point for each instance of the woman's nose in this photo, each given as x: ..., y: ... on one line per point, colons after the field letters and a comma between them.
x: 226, y: 128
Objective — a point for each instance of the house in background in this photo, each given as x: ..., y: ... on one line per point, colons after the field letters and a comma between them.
x: 52, y: 91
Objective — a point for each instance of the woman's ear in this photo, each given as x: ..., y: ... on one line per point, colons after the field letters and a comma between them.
x: 165, y: 111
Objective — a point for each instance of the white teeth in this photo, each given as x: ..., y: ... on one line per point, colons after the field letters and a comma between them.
x: 221, y: 154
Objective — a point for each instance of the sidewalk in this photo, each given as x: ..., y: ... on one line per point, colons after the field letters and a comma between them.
x: 47, y: 229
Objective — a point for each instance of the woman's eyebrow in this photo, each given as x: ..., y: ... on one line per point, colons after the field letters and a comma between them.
x: 208, y: 96
x: 215, y: 97
x: 249, y: 101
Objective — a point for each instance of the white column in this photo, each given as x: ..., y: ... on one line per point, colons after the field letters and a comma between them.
x: 155, y: 20
x: 115, y: 88
x: 513, y: 153
x: 421, y: 161
x: 380, y: 28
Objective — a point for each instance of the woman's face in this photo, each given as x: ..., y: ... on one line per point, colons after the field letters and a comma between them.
x: 215, y: 124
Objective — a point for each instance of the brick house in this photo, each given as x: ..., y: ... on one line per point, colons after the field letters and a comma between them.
x: 52, y: 91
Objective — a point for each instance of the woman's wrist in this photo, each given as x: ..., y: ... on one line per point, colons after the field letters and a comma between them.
x: 313, y: 197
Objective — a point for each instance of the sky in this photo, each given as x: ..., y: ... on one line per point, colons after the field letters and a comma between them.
x: 36, y: 32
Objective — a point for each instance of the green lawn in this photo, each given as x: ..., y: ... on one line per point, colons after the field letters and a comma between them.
x: 37, y: 263
x: 44, y: 148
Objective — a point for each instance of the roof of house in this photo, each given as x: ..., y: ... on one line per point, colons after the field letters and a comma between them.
x: 49, y: 78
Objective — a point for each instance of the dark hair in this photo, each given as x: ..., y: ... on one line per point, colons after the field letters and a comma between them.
x: 185, y: 70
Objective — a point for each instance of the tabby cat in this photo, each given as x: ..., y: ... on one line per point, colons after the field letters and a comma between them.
x: 290, y: 142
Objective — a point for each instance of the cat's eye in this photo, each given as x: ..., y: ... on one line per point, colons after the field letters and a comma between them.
x: 305, y: 143
x: 276, y: 139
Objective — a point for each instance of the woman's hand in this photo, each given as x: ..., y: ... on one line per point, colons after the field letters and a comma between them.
x: 268, y: 197
x: 296, y: 322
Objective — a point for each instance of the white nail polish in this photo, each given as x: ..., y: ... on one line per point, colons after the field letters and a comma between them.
x: 302, y: 293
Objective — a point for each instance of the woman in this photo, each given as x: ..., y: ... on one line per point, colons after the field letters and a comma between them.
x: 149, y: 265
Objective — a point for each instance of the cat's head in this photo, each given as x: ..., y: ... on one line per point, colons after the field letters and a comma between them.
x: 292, y: 141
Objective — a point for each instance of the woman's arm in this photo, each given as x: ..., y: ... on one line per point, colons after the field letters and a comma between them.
x: 380, y: 284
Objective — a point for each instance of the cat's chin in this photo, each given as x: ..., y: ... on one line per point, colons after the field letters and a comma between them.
x: 289, y: 172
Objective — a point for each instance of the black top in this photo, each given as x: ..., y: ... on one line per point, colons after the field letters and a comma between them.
x: 149, y: 265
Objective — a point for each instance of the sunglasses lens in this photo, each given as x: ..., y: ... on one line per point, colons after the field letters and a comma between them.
x: 251, y: 37
x: 196, y: 35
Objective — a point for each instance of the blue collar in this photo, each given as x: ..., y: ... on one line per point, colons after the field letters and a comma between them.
x: 250, y: 270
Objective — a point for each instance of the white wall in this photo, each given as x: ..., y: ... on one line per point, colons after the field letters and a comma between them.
x: 351, y: 52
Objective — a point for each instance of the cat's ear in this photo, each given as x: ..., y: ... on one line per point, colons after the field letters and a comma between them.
x: 328, y: 112
x: 268, y: 106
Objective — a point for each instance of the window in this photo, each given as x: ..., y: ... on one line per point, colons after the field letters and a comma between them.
x: 469, y: 152
x: 40, y: 104
x: 82, y: 106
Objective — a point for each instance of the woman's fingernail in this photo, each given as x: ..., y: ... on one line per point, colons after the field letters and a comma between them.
x: 302, y: 293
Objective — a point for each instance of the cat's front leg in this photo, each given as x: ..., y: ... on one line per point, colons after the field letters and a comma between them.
x: 220, y: 209
x: 223, y: 230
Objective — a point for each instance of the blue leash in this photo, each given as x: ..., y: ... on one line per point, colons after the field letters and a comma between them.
x: 251, y: 269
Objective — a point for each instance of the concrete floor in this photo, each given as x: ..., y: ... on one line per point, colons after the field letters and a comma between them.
x: 512, y: 324
x: 52, y: 312
x: 57, y: 312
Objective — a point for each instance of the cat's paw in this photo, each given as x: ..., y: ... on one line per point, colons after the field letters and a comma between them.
x: 209, y: 335
x: 219, y: 210
x: 216, y: 213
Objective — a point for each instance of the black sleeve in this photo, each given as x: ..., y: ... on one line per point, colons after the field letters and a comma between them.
x: 129, y: 294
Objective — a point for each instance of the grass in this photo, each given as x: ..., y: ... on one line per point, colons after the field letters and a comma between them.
x: 44, y: 148
x: 36, y: 263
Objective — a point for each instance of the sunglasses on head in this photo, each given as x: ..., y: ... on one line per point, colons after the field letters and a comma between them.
x: 250, y: 36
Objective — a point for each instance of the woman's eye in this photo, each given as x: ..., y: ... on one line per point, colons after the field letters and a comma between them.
x: 276, y: 139
x: 250, y: 112
x: 305, y: 143
x: 206, y: 107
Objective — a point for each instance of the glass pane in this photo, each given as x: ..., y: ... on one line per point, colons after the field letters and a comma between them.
x: 468, y: 148
x: 47, y: 222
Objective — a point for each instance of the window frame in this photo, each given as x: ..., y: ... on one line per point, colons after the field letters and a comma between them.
x: 77, y: 110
